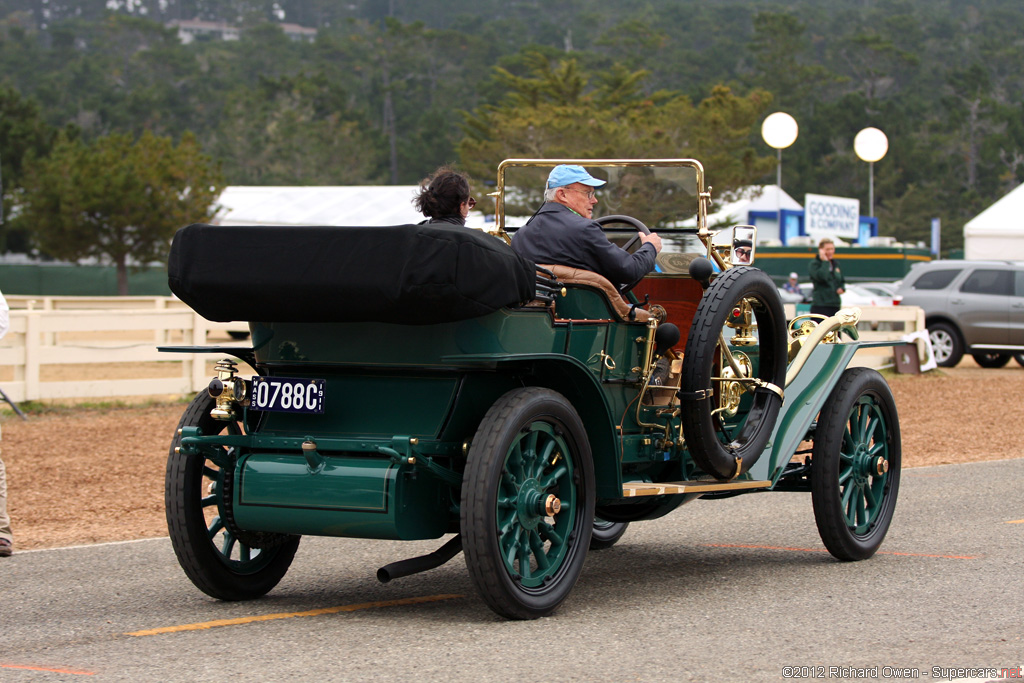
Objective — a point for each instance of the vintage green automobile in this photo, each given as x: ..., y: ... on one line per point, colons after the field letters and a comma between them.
x: 418, y: 381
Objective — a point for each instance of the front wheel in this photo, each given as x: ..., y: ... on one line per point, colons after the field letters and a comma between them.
x: 527, y: 503
x: 222, y: 561
x: 1019, y: 357
x: 855, y: 465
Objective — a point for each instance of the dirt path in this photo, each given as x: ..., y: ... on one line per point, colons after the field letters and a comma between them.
x: 97, y: 475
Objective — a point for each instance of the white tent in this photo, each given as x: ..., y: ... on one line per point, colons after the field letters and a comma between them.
x: 998, y: 231
x: 323, y: 205
x: 767, y: 199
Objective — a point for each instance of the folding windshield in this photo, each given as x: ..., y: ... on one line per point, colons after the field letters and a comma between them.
x: 663, y: 194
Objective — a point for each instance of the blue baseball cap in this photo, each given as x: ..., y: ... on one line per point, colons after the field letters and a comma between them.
x: 565, y: 174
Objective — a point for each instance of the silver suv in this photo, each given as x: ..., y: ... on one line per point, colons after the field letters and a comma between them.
x: 974, y: 307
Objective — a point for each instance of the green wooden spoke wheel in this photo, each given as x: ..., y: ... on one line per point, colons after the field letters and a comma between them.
x: 527, y: 503
x: 222, y: 561
x: 855, y: 473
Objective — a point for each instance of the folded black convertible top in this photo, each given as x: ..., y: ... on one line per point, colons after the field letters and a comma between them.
x: 410, y: 274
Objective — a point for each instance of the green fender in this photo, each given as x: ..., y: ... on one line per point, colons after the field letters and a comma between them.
x: 803, y: 401
x: 571, y: 378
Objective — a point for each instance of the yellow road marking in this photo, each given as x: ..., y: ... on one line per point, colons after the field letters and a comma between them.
x: 1015, y: 521
x: 290, y: 615
x: 43, y: 668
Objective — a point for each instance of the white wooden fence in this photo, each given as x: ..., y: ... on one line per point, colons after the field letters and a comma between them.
x: 77, y: 331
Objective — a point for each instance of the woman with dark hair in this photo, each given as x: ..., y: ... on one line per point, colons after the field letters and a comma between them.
x: 444, y: 197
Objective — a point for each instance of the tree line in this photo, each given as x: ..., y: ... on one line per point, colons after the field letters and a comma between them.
x: 389, y: 90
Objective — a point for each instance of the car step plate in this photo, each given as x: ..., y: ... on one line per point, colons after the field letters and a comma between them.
x: 632, y: 489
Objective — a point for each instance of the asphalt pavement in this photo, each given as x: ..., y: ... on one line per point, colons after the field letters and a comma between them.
x: 736, y: 589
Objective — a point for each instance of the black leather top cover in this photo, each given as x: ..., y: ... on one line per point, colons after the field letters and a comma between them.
x: 408, y: 274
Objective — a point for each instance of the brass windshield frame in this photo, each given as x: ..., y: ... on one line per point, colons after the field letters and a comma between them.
x: 703, y: 194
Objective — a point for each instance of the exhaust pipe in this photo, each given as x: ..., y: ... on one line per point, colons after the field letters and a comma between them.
x: 414, y: 565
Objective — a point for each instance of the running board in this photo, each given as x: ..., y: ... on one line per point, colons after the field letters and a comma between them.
x: 632, y: 489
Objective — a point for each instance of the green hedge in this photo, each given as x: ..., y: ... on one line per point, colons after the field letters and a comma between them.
x: 71, y: 280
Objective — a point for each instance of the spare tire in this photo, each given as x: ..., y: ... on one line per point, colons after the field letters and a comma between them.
x: 700, y: 388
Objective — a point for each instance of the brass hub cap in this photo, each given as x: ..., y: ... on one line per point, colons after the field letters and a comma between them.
x: 552, y: 506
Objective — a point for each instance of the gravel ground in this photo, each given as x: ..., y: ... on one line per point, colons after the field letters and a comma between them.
x: 94, y: 475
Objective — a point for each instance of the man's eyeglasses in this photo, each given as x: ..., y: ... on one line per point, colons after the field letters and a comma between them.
x: 471, y: 202
x: 590, y: 193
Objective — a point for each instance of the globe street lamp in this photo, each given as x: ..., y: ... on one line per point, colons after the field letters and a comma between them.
x: 871, y: 145
x: 779, y: 131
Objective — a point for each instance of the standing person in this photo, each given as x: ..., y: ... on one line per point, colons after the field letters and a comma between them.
x: 444, y: 197
x: 563, y: 232
x: 827, y: 278
x: 6, y: 539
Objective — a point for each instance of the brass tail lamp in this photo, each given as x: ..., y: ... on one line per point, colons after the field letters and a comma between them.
x: 228, y: 390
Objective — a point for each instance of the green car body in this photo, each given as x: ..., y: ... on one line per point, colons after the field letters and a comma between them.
x: 418, y: 437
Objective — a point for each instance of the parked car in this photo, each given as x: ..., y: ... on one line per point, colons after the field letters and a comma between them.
x: 854, y: 295
x: 859, y: 295
x: 882, y: 289
x: 974, y: 307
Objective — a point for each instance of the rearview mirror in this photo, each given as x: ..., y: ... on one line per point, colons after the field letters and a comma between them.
x: 743, y: 239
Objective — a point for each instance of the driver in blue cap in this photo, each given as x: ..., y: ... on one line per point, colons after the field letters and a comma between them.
x: 563, y: 232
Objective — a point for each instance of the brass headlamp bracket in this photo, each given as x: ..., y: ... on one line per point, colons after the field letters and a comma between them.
x: 741, y: 319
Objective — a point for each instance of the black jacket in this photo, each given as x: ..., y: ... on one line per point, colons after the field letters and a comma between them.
x: 558, y: 235
x: 454, y: 220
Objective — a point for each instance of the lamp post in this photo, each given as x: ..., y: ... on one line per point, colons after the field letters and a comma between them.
x: 871, y: 145
x: 779, y: 130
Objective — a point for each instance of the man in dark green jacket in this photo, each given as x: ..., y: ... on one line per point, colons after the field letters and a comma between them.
x: 827, y: 279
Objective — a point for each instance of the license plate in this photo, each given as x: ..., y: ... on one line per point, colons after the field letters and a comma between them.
x: 287, y: 394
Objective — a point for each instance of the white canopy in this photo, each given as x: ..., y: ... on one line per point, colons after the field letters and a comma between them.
x: 323, y: 205
x: 998, y: 231
x: 752, y: 198
x: 761, y: 198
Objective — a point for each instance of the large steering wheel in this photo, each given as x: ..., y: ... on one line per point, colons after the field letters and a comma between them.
x: 618, y: 218
x: 640, y: 227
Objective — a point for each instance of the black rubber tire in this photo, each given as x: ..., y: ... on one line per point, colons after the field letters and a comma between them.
x: 512, y: 419
x: 606, y: 534
x: 857, y: 425
x: 991, y: 360
x: 699, y: 426
x: 946, y: 344
x: 185, y: 496
x: 1019, y: 357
